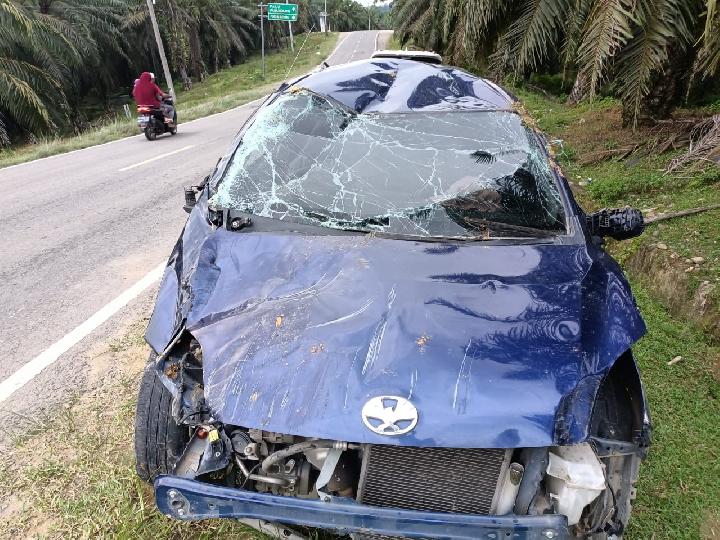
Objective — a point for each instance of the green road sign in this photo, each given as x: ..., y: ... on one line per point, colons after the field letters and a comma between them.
x: 282, y: 12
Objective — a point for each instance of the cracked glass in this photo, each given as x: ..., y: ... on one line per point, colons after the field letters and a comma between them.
x: 309, y: 159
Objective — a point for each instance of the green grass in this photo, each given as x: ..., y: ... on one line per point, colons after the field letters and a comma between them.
x: 219, y: 92
x: 679, y: 487
x: 394, y: 43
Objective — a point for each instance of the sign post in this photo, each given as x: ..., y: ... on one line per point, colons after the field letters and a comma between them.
x: 292, y: 42
x: 161, y: 49
x: 275, y: 12
x: 284, y: 12
x: 262, y: 35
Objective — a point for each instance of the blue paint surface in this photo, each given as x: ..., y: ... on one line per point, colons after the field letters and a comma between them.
x: 488, y: 341
x: 393, y: 85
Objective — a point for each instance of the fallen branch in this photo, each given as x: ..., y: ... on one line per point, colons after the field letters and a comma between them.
x: 704, y: 145
x: 681, y: 213
x: 596, y: 157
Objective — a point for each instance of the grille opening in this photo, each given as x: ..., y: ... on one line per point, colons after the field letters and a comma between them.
x: 456, y: 480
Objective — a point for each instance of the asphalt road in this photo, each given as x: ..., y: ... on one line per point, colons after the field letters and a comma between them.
x: 78, y: 229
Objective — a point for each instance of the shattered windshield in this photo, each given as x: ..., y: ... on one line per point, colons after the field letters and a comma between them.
x: 309, y: 159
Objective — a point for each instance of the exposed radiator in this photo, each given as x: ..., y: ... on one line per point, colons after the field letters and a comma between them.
x: 457, y: 480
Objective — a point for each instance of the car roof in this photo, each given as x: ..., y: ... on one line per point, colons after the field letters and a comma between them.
x: 420, y: 56
x: 391, y: 85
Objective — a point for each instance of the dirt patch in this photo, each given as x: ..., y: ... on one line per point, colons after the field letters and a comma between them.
x: 126, y: 355
x: 668, y: 278
x: 710, y: 529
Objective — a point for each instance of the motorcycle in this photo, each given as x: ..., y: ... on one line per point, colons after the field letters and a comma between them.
x: 153, y: 122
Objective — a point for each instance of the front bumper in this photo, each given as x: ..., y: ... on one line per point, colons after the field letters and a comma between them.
x: 190, y: 500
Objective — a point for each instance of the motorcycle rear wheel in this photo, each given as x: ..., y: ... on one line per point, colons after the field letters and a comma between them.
x: 150, y: 133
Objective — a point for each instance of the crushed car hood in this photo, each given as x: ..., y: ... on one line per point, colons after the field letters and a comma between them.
x: 495, y: 345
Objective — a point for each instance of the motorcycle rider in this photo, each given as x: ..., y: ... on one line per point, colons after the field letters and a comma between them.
x: 146, y: 92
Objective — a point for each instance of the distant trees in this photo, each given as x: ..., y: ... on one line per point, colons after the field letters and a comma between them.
x: 647, y: 52
x: 56, y: 53
x: 49, y: 53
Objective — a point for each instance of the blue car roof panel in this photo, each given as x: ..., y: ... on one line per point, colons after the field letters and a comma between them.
x: 392, y: 86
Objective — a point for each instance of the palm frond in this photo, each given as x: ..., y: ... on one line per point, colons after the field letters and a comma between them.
x: 22, y: 103
x: 661, y: 24
x: 606, y: 31
x: 708, y: 58
x: 531, y: 38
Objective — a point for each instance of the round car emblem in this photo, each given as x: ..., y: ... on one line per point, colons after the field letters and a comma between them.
x: 389, y: 415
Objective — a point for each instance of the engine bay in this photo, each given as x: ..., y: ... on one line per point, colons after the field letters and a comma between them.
x: 592, y: 483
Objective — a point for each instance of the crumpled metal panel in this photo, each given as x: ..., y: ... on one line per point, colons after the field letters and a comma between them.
x: 388, y: 86
x: 498, y: 346
x: 494, y: 344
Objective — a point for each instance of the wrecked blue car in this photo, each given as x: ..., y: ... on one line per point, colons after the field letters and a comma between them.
x: 388, y: 317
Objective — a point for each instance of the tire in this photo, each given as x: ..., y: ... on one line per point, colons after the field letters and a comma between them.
x: 150, y: 133
x: 159, y: 441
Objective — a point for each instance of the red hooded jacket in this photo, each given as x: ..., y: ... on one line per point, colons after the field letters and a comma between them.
x: 146, y: 92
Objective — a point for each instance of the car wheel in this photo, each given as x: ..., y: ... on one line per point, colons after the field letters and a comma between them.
x: 159, y: 440
x: 150, y: 133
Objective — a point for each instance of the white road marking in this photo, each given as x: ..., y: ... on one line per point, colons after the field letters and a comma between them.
x: 355, y: 49
x: 46, y: 358
x: 202, y: 118
x: 161, y: 156
x: 336, y: 48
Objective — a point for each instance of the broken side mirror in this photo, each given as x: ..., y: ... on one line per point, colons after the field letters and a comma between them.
x: 617, y: 223
x: 191, y: 193
x: 190, y: 198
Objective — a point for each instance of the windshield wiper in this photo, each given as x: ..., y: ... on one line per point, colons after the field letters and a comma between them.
x: 372, y: 221
x: 489, y: 227
x: 330, y: 101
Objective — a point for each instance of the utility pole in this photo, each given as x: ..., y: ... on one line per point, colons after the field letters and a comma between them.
x: 325, y: 17
x: 161, y: 49
x: 262, y: 34
x: 292, y: 43
x: 369, y: 17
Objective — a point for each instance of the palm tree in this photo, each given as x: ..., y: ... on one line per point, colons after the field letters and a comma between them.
x: 644, y: 48
x: 35, y: 56
x: 95, y: 30
x: 708, y: 58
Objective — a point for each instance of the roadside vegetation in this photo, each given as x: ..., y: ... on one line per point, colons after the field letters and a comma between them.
x: 219, y: 92
x: 648, y: 53
x: 610, y: 165
x: 66, y: 63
